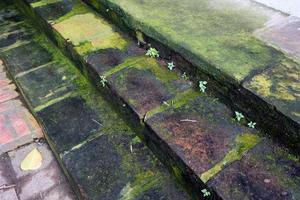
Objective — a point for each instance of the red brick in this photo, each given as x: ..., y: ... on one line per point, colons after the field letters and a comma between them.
x: 7, y: 93
x: 9, y: 105
x: 5, y: 133
x: 18, y: 122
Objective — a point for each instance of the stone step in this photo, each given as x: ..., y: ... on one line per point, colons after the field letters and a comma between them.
x: 101, y: 156
x: 250, y: 54
x: 193, y: 133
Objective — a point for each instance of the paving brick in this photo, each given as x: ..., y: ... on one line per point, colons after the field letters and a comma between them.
x: 8, y: 93
x: 19, y: 154
x: 9, y: 194
x: 7, y: 175
x: 60, y: 192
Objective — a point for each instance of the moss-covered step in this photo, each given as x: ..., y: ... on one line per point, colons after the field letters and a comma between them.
x: 235, y: 161
x: 101, y: 155
x: 194, y: 134
x: 219, y: 39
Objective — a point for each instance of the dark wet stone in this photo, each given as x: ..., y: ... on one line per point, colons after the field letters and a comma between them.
x: 14, y: 37
x: 104, y: 60
x: 203, y: 141
x: 69, y: 122
x: 55, y: 10
x: 265, y: 172
x: 96, y: 167
x: 10, y: 15
x: 56, y: 83
x: 142, y: 89
x: 25, y: 57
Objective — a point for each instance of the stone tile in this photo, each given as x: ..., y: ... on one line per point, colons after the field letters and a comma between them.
x: 144, y: 84
x: 280, y: 87
x: 69, y: 122
x: 106, y: 169
x: 7, y: 93
x: 9, y: 194
x: 265, y: 172
x: 201, y: 132
x: 7, y: 175
x: 26, y: 57
x: 17, y: 126
x: 19, y: 154
x: 60, y: 192
x: 56, y: 83
x: 106, y: 59
x: 35, y: 185
x: 53, y: 10
x: 284, y: 34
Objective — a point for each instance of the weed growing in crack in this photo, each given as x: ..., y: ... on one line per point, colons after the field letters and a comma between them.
x: 251, y: 124
x: 239, y: 116
x: 152, y: 52
x: 205, y: 193
x: 202, y: 86
x: 103, y: 80
x: 171, y: 66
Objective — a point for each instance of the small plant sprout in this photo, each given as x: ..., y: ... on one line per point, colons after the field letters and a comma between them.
x: 251, y: 124
x: 152, y: 52
x: 205, y: 193
x: 171, y: 66
x: 239, y: 116
x: 202, y: 86
x: 184, y: 76
x: 136, y: 140
x: 103, y: 80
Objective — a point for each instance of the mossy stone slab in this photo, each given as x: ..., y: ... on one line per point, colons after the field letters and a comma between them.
x: 69, y: 122
x: 265, y: 172
x: 20, y: 60
x: 53, y: 10
x: 107, y: 169
x: 202, y: 133
x: 280, y: 87
x: 104, y: 60
x: 144, y: 84
x: 56, y: 82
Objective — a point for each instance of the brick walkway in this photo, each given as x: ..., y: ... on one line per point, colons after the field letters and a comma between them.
x: 18, y: 131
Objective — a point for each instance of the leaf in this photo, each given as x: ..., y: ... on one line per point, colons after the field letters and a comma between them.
x: 32, y: 161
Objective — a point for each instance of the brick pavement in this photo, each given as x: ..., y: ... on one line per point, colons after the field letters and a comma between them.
x: 18, y: 131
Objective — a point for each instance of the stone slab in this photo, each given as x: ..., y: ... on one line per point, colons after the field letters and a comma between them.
x: 265, y: 172
x: 7, y: 177
x: 291, y: 7
x: 56, y: 83
x: 9, y: 194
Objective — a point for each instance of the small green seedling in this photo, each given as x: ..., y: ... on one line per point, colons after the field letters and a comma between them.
x: 103, y: 80
x: 152, y: 52
x: 202, y: 86
x: 239, y: 116
x: 251, y: 124
x: 171, y: 66
x: 205, y: 193
x: 136, y: 140
x: 184, y: 76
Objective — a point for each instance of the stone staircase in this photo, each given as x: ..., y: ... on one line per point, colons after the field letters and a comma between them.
x: 195, y: 134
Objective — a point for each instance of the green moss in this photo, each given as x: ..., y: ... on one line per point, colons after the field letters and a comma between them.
x: 143, y: 182
x: 43, y: 3
x: 179, y: 100
x: 145, y: 63
x: 243, y: 143
x: 78, y: 8
x: 83, y: 31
